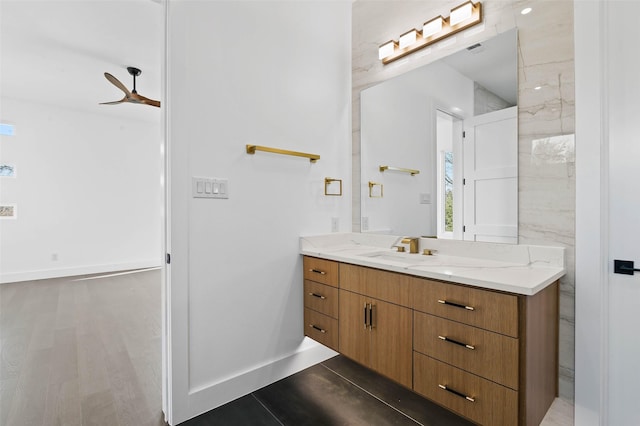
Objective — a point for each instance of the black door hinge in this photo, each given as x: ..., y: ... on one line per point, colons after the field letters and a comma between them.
x: 168, y: 258
x: 464, y: 228
x: 464, y: 181
x: 464, y: 134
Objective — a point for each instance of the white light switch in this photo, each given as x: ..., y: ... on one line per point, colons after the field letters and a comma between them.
x: 425, y: 198
x: 207, y: 187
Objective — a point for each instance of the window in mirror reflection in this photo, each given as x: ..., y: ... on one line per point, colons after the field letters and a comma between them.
x: 447, y: 141
x: 448, y: 191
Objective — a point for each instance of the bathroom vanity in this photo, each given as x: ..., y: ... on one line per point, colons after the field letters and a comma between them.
x: 473, y: 328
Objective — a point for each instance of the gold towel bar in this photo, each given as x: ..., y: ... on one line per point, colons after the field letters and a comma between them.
x: 251, y: 149
x: 400, y: 169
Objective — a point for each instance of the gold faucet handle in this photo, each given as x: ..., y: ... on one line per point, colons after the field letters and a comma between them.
x: 400, y: 249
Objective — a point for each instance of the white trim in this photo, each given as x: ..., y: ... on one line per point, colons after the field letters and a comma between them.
x: 308, y: 353
x: 591, y: 326
x: 76, y: 270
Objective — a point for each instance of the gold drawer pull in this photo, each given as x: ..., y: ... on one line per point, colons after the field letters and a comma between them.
x: 317, y: 295
x: 457, y: 305
x: 317, y: 328
x: 455, y: 392
x: 446, y: 339
x: 317, y: 271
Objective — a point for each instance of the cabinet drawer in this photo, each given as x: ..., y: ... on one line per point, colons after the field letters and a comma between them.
x: 321, y: 270
x: 321, y: 328
x: 321, y: 298
x: 481, y: 308
x: 492, y: 404
x: 490, y: 355
x: 383, y: 285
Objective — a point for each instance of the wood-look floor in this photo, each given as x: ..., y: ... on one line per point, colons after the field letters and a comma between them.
x: 88, y: 352
x: 81, y: 352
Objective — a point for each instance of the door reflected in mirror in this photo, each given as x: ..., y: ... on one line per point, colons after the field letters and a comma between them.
x: 454, y: 121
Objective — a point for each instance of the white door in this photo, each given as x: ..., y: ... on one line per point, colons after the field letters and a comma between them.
x: 490, y: 151
x: 624, y: 210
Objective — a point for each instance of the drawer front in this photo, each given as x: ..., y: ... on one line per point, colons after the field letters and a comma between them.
x: 321, y: 328
x: 492, y: 404
x: 321, y: 298
x: 487, y: 354
x: 382, y: 285
x: 321, y: 271
x: 481, y: 308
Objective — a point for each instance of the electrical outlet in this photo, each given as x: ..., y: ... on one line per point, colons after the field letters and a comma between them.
x: 335, y: 224
x: 54, y: 257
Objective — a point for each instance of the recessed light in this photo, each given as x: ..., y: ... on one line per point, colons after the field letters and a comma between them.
x: 537, y: 88
x: 526, y: 10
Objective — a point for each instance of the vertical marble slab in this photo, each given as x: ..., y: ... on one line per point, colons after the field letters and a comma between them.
x: 546, y: 109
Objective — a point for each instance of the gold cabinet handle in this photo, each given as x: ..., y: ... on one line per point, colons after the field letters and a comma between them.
x: 321, y: 330
x: 317, y: 295
x: 366, y: 308
x: 455, y: 342
x: 317, y: 271
x: 455, y: 392
x: 456, y: 305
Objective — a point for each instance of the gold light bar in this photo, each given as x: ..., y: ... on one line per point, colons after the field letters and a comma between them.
x: 462, y: 17
x: 400, y: 169
x: 251, y: 149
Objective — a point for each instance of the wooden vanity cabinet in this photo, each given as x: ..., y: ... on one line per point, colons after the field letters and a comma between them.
x: 376, y: 334
x: 489, y: 356
x: 321, y: 301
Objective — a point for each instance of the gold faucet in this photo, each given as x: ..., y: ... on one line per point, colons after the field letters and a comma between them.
x: 413, y: 243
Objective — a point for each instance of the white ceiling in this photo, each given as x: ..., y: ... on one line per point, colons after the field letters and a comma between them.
x: 494, y: 65
x: 56, y: 52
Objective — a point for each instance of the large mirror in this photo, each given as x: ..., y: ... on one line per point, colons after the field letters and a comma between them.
x: 439, y: 147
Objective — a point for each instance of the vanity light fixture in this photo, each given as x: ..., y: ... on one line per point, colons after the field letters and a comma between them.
x: 461, y: 13
x: 408, y: 38
x: 387, y: 49
x: 462, y: 17
x: 432, y: 27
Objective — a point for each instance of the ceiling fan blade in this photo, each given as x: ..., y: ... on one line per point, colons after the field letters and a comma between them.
x: 141, y: 99
x: 114, y: 102
x: 117, y: 83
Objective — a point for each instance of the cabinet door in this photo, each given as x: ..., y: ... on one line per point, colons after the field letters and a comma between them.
x: 391, y: 342
x: 354, y: 337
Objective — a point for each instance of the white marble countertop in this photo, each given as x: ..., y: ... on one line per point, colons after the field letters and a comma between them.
x: 520, y: 269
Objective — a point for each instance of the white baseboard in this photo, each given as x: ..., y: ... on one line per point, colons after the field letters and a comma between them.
x: 43, y: 274
x: 216, y: 394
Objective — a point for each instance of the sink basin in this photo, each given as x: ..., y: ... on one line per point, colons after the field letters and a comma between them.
x: 404, y: 258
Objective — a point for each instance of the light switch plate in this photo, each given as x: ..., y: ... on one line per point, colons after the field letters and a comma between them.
x: 209, y: 187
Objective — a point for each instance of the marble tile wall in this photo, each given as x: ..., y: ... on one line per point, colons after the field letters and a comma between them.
x: 546, y: 109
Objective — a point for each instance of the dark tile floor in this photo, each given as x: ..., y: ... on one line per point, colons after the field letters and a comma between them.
x: 335, y: 392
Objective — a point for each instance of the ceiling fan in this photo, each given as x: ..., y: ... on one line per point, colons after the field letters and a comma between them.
x: 129, y: 96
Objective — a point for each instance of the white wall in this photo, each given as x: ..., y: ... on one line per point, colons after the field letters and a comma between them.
x: 274, y: 74
x: 87, y: 191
